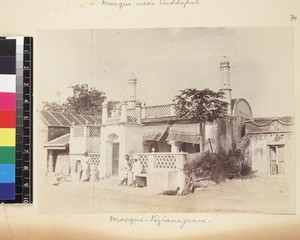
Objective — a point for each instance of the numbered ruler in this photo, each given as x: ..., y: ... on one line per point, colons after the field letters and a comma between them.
x: 24, y: 92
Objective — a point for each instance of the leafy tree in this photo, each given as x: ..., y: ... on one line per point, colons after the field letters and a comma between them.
x: 200, y: 106
x: 84, y: 100
x: 53, y: 106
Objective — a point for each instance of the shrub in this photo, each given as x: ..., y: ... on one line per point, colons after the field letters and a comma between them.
x: 217, y: 166
x: 245, y: 169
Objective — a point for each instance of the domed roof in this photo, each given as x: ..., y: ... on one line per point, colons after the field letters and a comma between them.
x: 240, y: 107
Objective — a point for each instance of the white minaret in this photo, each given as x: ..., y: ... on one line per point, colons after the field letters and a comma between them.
x: 225, y: 85
x: 131, y: 100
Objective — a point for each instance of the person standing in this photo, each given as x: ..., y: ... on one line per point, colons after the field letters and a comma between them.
x: 136, y: 169
x: 127, y: 180
x: 85, y: 163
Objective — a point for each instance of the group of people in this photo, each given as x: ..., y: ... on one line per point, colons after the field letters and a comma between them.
x: 132, y: 170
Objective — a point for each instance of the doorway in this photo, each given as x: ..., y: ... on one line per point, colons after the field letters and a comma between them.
x: 115, y: 159
x: 112, y: 155
x: 276, y: 159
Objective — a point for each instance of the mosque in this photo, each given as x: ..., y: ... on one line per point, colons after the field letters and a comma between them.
x: 160, y: 139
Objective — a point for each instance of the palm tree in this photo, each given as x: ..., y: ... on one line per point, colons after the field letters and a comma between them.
x: 200, y: 106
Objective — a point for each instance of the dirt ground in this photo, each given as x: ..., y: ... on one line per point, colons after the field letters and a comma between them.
x: 261, y: 194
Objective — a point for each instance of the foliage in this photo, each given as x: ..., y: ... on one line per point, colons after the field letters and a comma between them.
x: 216, y: 167
x: 84, y: 100
x: 245, y: 169
x: 53, y: 106
x: 200, y: 105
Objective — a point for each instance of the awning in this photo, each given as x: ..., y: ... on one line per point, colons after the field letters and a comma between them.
x: 154, y: 133
x: 60, y: 143
x: 189, y: 133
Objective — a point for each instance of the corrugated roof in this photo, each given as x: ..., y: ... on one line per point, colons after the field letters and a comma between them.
x: 154, y: 133
x: 67, y: 119
x: 189, y: 133
x: 61, y: 142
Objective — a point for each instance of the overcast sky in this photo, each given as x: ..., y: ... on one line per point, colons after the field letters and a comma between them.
x: 167, y: 60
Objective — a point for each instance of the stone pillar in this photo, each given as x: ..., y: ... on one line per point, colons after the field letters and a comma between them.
x: 180, y: 161
x: 85, y: 133
x: 51, y: 162
x: 124, y: 111
x: 104, y: 112
x: 172, y: 110
x: 138, y: 113
x: 174, y: 146
x: 225, y: 84
x: 151, y: 163
x: 143, y: 112
x: 72, y: 130
x: 132, y: 92
x: 118, y: 110
x: 113, y: 113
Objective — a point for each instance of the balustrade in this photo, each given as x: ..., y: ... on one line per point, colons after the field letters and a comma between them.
x: 160, y: 111
x: 94, y: 159
x: 161, y: 160
x: 139, y: 112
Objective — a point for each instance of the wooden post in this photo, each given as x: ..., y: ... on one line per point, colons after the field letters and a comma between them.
x: 212, y: 151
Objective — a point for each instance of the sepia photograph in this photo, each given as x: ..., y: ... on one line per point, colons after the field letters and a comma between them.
x: 167, y: 120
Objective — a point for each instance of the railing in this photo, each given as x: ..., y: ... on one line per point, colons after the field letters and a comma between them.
x: 165, y: 161
x: 93, y: 131
x: 84, y: 138
x: 159, y: 111
x: 146, y: 112
x: 142, y: 158
x: 164, y: 170
x: 94, y: 159
x: 131, y: 113
x: 113, y: 119
x: 77, y: 131
x: 161, y: 160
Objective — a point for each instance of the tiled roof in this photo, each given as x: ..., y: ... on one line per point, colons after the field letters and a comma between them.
x: 61, y: 142
x: 67, y: 119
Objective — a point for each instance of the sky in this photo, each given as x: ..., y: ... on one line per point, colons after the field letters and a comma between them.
x: 165, y: 61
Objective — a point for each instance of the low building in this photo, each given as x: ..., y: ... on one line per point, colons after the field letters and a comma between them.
x: 54, y: 138
x: 271, y: 145
x: 161, y: 140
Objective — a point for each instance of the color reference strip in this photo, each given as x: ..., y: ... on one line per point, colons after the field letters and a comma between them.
x: 7, y: 118
x: 21, y: 119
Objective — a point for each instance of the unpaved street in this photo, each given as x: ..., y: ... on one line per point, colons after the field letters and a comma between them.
x: 268, y: 194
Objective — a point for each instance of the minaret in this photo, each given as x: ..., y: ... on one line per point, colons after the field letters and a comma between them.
x: 131, y: 100
x: 225, y: 85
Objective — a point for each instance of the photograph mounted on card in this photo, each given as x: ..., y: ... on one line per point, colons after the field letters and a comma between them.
x: 166, y: 120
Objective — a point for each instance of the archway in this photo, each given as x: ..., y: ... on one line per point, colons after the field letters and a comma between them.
x: 112, y: 153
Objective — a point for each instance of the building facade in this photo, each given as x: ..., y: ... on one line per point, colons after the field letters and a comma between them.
x: 161, y: 140
x: 271, y: 145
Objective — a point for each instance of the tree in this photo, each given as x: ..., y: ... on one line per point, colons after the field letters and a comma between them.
x: 84, y: 100
x: 200, y: 106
